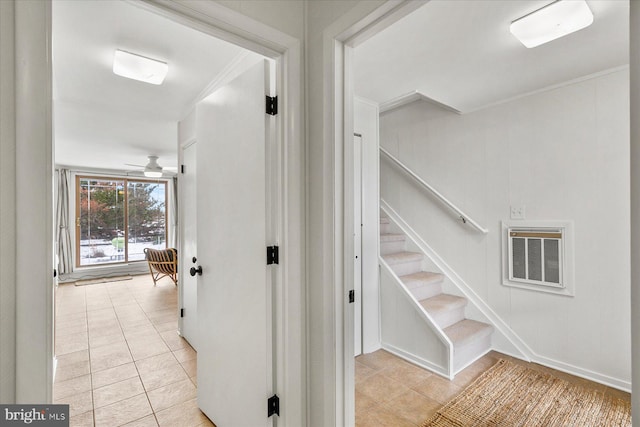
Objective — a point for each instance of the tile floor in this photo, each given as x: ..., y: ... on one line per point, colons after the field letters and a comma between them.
x: 392, y: 392
x: 120, y: 360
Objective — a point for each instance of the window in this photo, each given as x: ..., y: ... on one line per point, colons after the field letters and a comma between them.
x: 538, y: 255
x: 116, y: 218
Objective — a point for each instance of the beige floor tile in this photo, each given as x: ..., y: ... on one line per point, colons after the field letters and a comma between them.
x: 148, y: 421
x: 168, y: 317
x: 82, y: 420
x: 438, y: 389
x: 167, y: 396
x: 412, y: 406
x: 155, y: 363
x: 406, y: 373
x: 117, y: 392
x: 378, y: 360
x: 70, y: 387
x: 363, y: 371
x: 167, y: 326
x: 79, y: 403
x: 72, y: 343
x: 162, y: 314
x: 123, y: 412
x: 382, y: 417
x: 102, y: 314
x: 142, y: 348
x: 114, y: 375
x: 191, y: 367
x: 105, y: 327
x: 63, y: 330
x: 184, y: 414
x: 139, y: 331
x: 173, y: 340
x: 70, y: 371
x: 72, y: 358
x: 162, y: 377
x: 363, y: 402
x: 381, y: 388
x: 185, y: 354
x: 109, y: 356
x: 77, y: 317
x: 107, y: 338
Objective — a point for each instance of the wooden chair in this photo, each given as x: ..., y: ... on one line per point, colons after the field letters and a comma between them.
x: 162, y: 263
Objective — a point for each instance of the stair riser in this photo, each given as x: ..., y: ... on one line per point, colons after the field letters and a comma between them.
x: 406, y: 268
x: 384, y: 228
x: 471, y: 351
x: 391, y: 247
x: 448, y: 318
x: 426, y: 291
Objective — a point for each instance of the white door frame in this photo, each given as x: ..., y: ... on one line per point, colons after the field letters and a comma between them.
x: 339, y: 39
x: 34, y: 169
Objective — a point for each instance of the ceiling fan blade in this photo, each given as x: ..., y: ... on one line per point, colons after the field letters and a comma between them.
x: 170, y: 168
x: 137, y: 166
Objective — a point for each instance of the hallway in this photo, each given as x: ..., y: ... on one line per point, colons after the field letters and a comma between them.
x: 120, y: 360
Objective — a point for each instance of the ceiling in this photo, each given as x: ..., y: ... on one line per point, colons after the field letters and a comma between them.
x: 458, y: 53
x: 461, y: 53
x: 102, y: 120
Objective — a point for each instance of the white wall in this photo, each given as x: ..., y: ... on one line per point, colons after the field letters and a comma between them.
x: 365, y: 122
x: 564, y: 154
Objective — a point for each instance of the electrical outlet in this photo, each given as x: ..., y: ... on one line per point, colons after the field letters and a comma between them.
x: 517, y: 212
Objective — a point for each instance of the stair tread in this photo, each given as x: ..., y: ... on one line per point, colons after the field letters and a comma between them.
x: 400, y: 257
x: 422, y: 278
x: 443, y: 302
x: 391, y: 237
x: 467, y: 331
x: 384, y: 220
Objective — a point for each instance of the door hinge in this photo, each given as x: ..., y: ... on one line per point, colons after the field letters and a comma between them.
x: 352, y: 296
x: 273, y: 255
x: 273, y: 405
x: 272, y: 105
x: 182, y: 312
x: 182, y: 168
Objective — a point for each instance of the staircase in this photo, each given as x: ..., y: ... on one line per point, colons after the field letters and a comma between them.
x: 471, y: 339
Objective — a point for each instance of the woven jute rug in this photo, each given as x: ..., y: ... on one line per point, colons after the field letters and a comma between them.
x: 511, y: 395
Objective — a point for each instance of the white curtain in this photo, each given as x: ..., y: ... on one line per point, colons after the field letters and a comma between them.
x: 63, y: 238
x: 172, y: 213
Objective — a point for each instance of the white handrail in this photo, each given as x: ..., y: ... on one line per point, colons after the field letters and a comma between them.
x: 461, y: 215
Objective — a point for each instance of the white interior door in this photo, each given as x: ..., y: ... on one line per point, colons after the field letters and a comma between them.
x: 357, y: 243
x: 188, y: 216
x: 234, y: 290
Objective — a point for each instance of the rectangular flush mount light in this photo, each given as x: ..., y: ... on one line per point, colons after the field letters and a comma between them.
x: 553, y: 21
x: 139, y: 67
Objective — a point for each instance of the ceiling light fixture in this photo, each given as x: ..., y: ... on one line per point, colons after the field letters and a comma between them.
x: 137, y: 67
x: 153, y: 169
x: 553, y: 21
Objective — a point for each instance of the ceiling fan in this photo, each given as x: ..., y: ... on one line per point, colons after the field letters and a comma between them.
x: 153, y: 169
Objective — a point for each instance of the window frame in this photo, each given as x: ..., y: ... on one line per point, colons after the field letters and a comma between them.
x: 565, y: 256
x: 125, y: 180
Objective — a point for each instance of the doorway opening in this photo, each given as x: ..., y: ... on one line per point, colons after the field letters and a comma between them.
x: 237, y: 62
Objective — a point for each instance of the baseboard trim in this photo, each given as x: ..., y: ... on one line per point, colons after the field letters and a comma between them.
x: 584, y: 373
x: 423, y: 363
